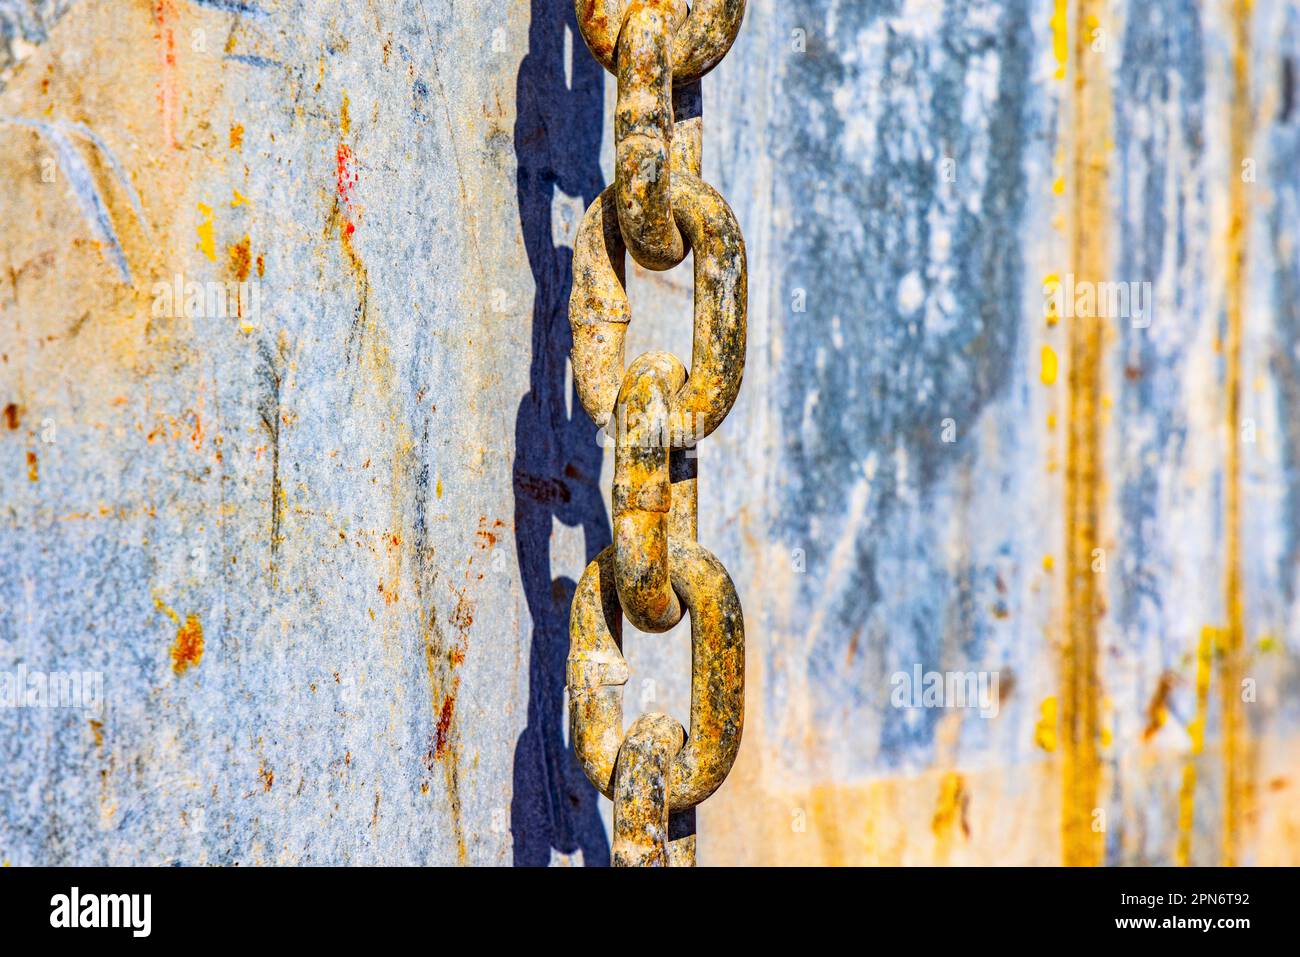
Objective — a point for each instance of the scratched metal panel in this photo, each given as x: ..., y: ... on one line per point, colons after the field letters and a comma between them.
x: 322, y: 549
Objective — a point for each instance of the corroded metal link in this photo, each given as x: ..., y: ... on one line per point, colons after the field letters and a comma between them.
x: 597, y: 673
x: 599, y: 310
x: 658, y: 208
x: 642, y: 493
x: 643, y: 133
x: 681, y: 838
x: 701, y: 41
x: 641, y: 791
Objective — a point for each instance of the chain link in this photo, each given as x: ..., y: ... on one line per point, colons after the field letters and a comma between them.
x: 657, y: 210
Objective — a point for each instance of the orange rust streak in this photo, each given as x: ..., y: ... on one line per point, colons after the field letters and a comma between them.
x: 1237, y: 784
x: 1080, y: 695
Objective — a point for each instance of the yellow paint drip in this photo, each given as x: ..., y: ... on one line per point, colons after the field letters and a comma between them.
x: 1047, y: 372
x: 1061, y: 36
x: 1045, y: 729
x: 950, y: 810
x: 1196, y: 730
x: 207, y: 237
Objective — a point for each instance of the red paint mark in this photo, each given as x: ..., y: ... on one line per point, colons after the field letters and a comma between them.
x: 164, y: 11
x: 346, y: 180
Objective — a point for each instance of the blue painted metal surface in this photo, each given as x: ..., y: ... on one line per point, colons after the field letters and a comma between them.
x: 374, y: 492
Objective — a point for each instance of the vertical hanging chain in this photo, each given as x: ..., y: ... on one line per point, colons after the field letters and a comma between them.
x: 658, y: 209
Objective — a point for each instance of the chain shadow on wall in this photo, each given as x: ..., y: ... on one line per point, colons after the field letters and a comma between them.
x: 557, y: 461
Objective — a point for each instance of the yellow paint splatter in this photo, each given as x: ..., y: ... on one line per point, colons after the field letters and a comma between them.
x: 345, y: 116
x: 1051, y: 297
x: 207, y: 237
x: 437, y: 488
x: 1045, y: 729
x: 166, y: 609
x: 239, y: 199
x: 1048, y: 371
x: 236, y: 134
x: 1058, y: 186
x: 1048, y: 563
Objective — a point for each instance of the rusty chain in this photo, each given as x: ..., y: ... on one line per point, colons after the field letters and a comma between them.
x: 657, y: 210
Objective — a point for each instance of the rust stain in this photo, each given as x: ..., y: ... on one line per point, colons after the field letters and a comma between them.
x: 441, y: 662
x: 442, y: 732
x: 1158, y: 706
x: 486, y: 534
x: 187, y: 649
x: 267, y: 775
x: 236, y: 136
x: 240, y: 258
x: 33, y: 468
x: 11, y: 416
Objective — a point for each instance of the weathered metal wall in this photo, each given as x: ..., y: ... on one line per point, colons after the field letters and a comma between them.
x: 322, y: 547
